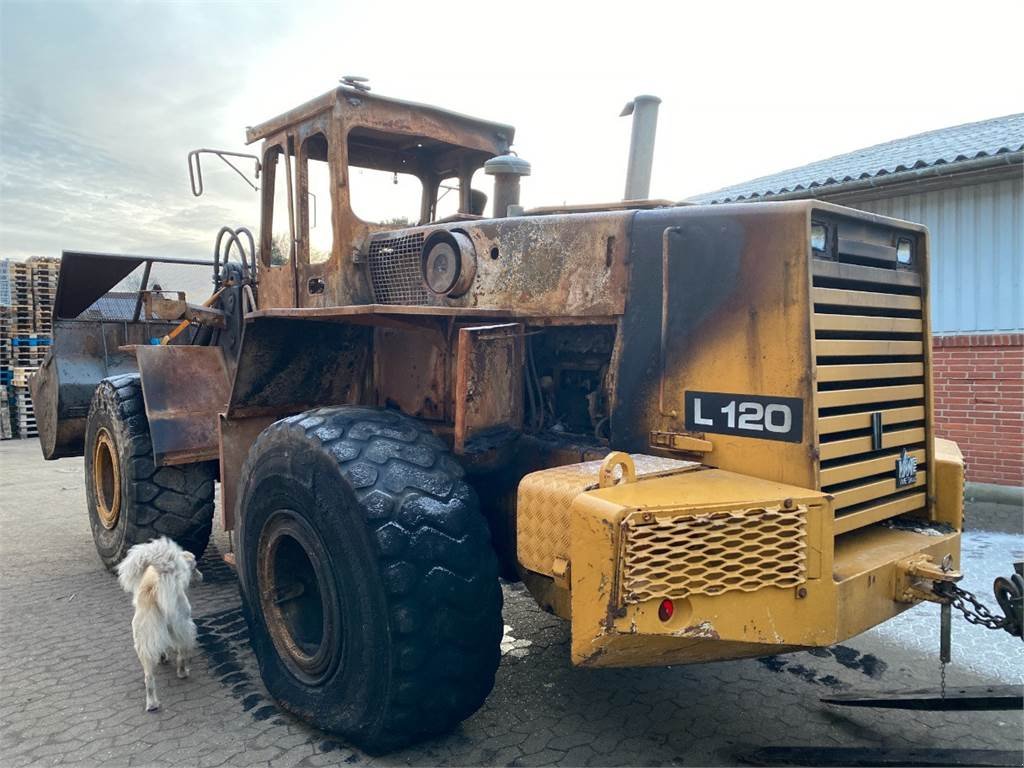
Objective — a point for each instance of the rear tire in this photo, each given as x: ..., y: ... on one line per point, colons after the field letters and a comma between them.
x: 367, y: 575
x: 130, y: 499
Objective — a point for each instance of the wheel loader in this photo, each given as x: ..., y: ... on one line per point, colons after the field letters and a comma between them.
x: 693, y: 432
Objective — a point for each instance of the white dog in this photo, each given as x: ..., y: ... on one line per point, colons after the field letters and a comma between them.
x: 158, y: 574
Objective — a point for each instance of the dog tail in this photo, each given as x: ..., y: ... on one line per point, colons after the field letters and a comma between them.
x: 148, y: 594
x: 131, y: 569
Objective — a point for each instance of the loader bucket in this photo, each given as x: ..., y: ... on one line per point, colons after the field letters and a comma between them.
x: 93, y: 330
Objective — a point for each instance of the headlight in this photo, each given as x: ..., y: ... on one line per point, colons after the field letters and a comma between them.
x: 819, y: 237
x: 904, y: 251
x: 448, y: 263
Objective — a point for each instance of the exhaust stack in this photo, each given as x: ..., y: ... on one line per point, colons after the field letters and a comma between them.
x: 644, y: 110
x: 506, y: 170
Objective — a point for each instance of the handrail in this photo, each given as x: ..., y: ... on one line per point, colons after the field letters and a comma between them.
x: 195, y: 175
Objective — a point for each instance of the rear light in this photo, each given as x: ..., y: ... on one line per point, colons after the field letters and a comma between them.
x: 666, y: 609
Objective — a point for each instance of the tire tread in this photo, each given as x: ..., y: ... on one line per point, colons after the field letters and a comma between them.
x: 435, y: 559
x: 175, y: 501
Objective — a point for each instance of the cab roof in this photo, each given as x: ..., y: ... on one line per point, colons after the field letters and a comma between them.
x: 383, y: 115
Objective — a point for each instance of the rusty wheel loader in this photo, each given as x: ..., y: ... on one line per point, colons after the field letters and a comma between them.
x: 694, y: 432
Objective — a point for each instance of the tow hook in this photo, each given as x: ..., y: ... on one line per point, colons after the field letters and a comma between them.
x: 919, y: 578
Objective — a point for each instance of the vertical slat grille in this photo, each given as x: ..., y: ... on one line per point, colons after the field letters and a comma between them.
x: 395, y: 272
x: 869, y: 349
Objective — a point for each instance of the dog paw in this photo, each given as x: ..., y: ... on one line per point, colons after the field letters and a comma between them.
x: 182, y: 674
x: 155, y: 706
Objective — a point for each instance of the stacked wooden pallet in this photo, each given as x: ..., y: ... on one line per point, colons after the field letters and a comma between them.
x: 24, y: 413
x: 6, y: 432
x: 16, y: 296
x: 5, y: 346
x: 27, y: 294
x: 45, y: 272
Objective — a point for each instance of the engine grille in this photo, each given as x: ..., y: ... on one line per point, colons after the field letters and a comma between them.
x: 708, y: 554
x: 869, y: 347
x: 395, y: 272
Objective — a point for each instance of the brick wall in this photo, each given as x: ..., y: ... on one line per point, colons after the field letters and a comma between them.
x: 979, y: 402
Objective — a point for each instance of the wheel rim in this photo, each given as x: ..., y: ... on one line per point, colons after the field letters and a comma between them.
x: 297, y: 596
x: 106, y: 479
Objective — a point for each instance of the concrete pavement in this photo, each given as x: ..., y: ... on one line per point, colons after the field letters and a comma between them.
x: 73, y: 693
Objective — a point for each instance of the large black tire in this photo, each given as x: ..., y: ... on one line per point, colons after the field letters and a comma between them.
x: 367, y: 575
x: 130, y: 499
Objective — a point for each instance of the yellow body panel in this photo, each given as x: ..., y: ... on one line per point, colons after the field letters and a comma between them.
x: 545, y: 498
x: 949, y: 483
x: 753, y: 567
x: 780, y: 541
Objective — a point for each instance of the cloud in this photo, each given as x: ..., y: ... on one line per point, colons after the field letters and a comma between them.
x: 97, y: 114
x: 102, y: 100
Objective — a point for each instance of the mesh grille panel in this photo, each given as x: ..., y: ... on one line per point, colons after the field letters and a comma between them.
x: 708, y: 554
x: 395, y: 270
x: 112, y: 306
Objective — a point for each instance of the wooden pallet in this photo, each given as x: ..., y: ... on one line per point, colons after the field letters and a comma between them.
x: 6, y: 431
x: 29, y: 359
x: 15, y: 283
x: 21, y: 375
x: 45, y: 273
x: 25, y: 414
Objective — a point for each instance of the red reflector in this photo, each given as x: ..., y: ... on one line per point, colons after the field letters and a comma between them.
x: 666, y: 609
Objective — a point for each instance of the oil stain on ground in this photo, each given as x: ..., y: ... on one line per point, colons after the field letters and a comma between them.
x: 867, y: 664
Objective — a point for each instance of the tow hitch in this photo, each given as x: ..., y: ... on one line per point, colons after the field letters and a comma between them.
x: 923, y: 579
x: 1009, y: 594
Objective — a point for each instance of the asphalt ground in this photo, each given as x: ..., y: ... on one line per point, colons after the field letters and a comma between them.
x: 71, y: 691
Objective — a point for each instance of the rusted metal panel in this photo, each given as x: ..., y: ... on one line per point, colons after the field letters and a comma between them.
x: 185, y: 389
x: 411, y: 371
x: 236, y: 438
x: 354, y: 312
x: 397, y: 116
x: 563, y: 266
x: 83, y: 353
x: 287, y: 366
x: 488, y: 381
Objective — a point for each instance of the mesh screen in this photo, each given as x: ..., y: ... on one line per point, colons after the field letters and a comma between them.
x: 395, y: 271
x: 708, y: 554
x: 112, y: 306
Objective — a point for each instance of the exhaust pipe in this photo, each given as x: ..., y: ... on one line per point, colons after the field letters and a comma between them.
x: 506, y: 170
x: 644, y: 110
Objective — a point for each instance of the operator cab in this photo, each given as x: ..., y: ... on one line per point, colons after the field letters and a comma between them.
x: 328, y: 163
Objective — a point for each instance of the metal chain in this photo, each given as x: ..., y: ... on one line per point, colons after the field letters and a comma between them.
x: 942, y: 677
x: 976, y: 613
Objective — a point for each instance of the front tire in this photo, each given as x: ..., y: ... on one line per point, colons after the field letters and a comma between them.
x: 130, y: 499
x: 367, y: 575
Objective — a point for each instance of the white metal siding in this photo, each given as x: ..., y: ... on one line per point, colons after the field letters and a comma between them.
x: 977, y: 253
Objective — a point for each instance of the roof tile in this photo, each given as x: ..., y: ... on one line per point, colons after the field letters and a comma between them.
x: 998, y: 135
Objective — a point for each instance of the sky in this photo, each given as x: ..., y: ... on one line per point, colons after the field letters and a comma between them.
x: 101, y: 101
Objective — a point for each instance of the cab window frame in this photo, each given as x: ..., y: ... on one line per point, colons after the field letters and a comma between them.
x: 269, y: 189
x: 323, y: 207
x: 430, y: 180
